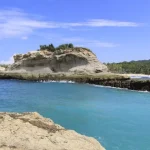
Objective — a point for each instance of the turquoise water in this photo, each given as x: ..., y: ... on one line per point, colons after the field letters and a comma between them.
x: 119, y: 119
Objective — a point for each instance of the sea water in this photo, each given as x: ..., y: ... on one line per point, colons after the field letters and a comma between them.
x: 118, y: 119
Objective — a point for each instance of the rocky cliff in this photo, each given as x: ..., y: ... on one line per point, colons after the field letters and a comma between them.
x: 76, y: 60
x: 30, y: 131
x: 2, y: 68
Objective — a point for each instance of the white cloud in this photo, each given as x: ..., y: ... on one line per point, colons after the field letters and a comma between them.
x: 15, y: 23
x: 102, y: 44
x: 87, y: 42
x: 73, y: 39
x: 110, y: 23
x: 24, y: 38
x: 9, y: 61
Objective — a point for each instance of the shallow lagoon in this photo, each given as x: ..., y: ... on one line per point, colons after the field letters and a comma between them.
x: 119, y: 119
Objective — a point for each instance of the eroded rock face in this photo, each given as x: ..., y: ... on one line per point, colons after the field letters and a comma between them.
x: 2, y: 68
x: 30, y: 131
x: 69, y: 60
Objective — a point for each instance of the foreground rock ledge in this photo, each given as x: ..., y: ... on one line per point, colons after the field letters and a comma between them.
x: 30, y: 131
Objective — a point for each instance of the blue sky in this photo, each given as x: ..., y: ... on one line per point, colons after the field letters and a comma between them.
x: 115, y: 30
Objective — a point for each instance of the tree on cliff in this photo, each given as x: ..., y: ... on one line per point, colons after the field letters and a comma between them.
x: 52, y: 48
x: 65, y: 46
x: 47, y: 47
x: 43, y: 47
x: 70, y: 45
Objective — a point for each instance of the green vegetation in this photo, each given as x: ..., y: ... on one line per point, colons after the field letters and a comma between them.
x: 4, y: 65
x: 52, y: 48
x: 140, y: 67
x: 61, y: 47
x: 65, y: 46
x: 48, y: 47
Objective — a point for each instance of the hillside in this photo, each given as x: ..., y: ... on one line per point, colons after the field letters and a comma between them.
x: 139, y: 67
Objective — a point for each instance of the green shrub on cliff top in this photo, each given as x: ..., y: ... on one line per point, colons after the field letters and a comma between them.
x: 65, y: 46
x: 47, y: 47
x: 52, y: 48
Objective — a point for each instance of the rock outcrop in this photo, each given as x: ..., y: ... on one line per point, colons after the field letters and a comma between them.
x: 30, y: 131
x: 2, y: 68
x: 76, y: 60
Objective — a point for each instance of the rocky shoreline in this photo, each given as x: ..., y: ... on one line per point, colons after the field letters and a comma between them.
x: 30, y: 131
x: 68, y: 63
x: 112, y: 80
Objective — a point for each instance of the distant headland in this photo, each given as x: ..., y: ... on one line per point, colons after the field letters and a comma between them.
x: 64, y: 58
x: 70, y: 63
